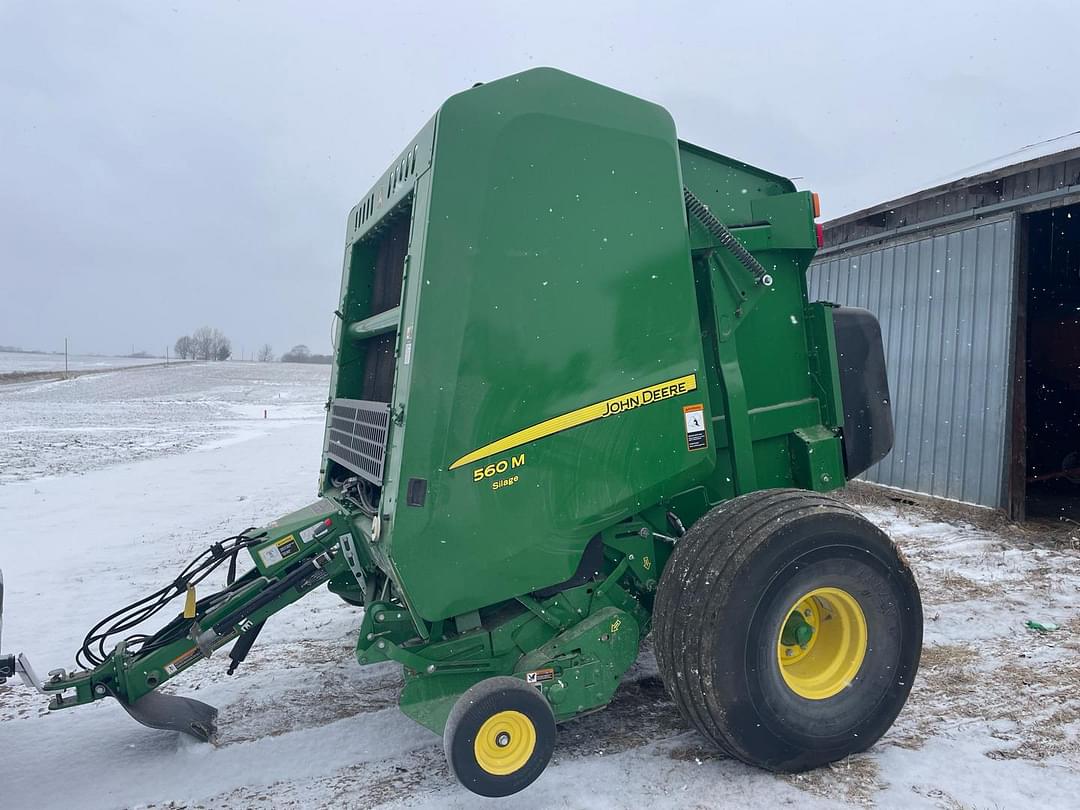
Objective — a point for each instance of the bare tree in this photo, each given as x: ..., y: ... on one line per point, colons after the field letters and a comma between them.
x: 202, y: 343
x: 222, y: 347
x: 266, y: 353
x: 210, y: 344
x: 184, y: 348
x: 297, y: 354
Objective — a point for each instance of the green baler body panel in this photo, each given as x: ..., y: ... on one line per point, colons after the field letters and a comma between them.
x: 549, y: 269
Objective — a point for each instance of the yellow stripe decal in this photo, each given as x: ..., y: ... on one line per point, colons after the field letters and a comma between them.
x: 590, y: 413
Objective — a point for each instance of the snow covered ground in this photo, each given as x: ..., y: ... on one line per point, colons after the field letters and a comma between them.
x: 993, y: 721
x: 38, y: 361
x: 65, y: 426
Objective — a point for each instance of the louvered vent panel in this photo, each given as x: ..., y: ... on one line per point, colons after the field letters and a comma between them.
x: 358, y: 436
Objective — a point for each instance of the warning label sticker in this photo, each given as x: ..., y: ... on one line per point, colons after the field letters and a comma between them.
x: 276, y: 552
x: 538, y: 676
x: 696, y: 437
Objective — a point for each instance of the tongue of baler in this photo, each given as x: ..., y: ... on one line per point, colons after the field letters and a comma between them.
x: 292, y: 557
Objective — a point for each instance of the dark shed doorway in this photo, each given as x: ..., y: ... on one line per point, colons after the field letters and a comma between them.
x: 1053, y: 364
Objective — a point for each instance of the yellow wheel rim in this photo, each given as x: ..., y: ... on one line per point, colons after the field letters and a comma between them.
x: 822, y: 643
x: 505, y: 742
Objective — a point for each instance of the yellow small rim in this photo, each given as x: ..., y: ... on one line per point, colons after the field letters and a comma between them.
x: 505, y: 742
x: 828, y: 662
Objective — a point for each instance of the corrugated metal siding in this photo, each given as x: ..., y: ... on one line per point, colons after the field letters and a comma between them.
x: 945, y: 306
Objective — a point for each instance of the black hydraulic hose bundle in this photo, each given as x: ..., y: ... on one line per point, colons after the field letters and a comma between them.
x: 295, y: 576
x: 362, y: 494
x: 93, y: 651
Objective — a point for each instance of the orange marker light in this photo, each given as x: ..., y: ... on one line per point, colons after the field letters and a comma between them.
x: 817, y: 204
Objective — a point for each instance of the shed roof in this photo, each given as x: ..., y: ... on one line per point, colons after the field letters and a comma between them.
x: 1033, y: 156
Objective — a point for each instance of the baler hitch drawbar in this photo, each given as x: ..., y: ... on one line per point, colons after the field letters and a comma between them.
x: 291, y: 558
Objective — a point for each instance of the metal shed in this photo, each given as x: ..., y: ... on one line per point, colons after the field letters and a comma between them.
x: 976, y: 282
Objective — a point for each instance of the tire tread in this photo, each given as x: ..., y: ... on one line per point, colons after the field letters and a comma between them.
x: 700, y: 573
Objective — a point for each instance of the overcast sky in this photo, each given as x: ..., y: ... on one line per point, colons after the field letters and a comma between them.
x: 165, y: 165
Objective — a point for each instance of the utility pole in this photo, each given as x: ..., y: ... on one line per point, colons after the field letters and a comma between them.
x: 166, y: 355
x: 65, y: 356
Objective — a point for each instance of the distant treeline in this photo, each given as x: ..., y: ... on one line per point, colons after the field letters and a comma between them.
x: 20, y: 350
x: 204, y: 343
x: 210, y: 344
x: 302, y: 354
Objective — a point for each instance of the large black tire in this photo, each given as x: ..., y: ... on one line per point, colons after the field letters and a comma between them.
x: 499, y: 737
x: 721, y: 629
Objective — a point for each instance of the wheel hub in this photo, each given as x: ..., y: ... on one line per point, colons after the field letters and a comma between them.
x: 504, y: 742
x: 822, y: 643
x: 797, y: 631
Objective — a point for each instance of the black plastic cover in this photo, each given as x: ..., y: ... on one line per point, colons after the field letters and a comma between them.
x: 416, y: 493
x: 864, y: 389
x: 592, y: 563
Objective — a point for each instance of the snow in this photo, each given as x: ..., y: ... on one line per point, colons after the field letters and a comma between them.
x: 1031, y: 151
x: 1069, y: 142
x: 993, y: 721
x: 38, y: 361
x: 95, y: 420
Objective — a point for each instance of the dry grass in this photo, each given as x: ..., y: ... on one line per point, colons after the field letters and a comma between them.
x: 1047, y: 533
x: 854, y: 780
x: 950, y: 585
x: 1026, y: 704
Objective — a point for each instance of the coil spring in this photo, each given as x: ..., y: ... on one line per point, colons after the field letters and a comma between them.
x: 714, y: 226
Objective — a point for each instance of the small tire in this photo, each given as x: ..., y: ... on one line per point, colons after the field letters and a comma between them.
x: 788, y: 629
x: 499, y: 736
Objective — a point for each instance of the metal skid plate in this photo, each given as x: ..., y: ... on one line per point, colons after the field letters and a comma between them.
x: 174, y: 713
x: 357, y: 436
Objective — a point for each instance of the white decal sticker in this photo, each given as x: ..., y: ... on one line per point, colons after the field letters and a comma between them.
x: 696, y: 436
x: 271, y: 555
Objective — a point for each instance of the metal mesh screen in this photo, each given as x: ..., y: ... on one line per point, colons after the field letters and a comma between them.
x: 358, y: 436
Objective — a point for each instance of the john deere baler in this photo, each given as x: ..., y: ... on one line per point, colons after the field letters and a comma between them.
x: 579, y: 394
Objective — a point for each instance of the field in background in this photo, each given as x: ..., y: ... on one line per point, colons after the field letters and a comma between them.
x: 114, y: 481
x: 81, y: 424
x: 26, y: 362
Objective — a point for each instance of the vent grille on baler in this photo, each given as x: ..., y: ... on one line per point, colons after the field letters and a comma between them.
x: 358, y: 436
